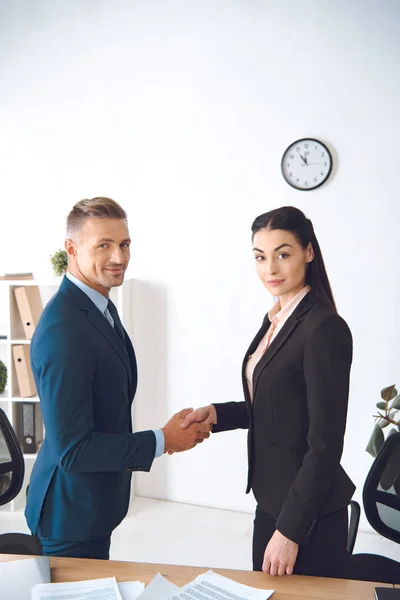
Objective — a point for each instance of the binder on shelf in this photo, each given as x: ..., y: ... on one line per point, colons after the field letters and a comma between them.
x: 28, y: 426
x: 23, y: 370
x: 30, y: 307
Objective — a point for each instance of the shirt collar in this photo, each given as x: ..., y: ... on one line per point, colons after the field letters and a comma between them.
x: 279, y: 315
x: 98, y: 299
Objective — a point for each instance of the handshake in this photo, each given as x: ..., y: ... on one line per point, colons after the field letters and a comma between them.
x: 188, y: 428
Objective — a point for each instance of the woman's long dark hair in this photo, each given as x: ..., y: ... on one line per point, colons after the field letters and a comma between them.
x: 292, y: 219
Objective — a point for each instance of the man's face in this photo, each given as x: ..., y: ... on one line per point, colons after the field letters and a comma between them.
x: 99, y: 256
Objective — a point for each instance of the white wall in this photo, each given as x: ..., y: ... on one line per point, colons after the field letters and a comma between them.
x: 181, y: 111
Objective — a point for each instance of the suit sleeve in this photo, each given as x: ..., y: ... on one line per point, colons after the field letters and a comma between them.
x: 327, y: 362
x: 64, y: 370
x: 231, y: 415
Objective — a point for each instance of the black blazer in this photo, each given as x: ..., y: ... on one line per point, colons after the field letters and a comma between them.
x: 297, y: 420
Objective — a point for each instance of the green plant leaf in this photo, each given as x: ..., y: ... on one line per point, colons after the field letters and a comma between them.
x: 391, y: 471
x: 392, y: 414
x: 382, y: 423
x: 3, y: 377
x: 396, y: 403
x: 376, y: 441
x: 388, y: 393
x: 59, y: 261
x: 381, y: 405
x: 391, y: 432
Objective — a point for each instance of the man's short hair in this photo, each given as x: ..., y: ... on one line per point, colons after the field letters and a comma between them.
x: 99, y: 208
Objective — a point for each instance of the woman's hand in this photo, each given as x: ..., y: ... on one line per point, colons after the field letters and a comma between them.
x: 206, y: 414
x: 280, y: 555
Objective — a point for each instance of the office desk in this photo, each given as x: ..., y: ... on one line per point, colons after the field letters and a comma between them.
x: 294, y: 587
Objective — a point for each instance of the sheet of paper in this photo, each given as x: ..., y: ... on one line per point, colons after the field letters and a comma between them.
x: 93, y: 589
x: 158, y: 588
x: 130, y: 590
x: 18, y: 576
x: 210, y: 586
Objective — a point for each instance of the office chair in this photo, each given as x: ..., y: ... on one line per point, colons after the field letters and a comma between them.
x: 381, y: 499
x: 12, y: 470
x: 354, y: 520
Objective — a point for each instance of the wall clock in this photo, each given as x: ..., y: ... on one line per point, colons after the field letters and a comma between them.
x: 306, y: 164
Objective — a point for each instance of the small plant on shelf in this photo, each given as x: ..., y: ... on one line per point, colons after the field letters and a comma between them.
x: 3, y: 377
x: 59, y: 262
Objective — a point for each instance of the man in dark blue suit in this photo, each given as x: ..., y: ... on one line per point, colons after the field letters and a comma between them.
x: 85, y: 371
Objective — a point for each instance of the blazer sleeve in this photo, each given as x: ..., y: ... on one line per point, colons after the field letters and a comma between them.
x: 64, y: 370
x: 327, y: 362
x: 231, y: 415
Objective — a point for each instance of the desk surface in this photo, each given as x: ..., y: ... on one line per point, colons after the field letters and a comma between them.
x: 294, y: 587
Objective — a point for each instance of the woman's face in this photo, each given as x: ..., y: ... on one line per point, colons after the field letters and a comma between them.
x: 281, y: 262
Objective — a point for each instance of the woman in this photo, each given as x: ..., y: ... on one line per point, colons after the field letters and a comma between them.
x: 296, y: 383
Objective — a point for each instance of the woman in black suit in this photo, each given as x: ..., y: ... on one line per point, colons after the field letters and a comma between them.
x: 296, y: 382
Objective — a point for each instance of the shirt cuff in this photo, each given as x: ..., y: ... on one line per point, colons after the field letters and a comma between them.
x: 160, y: 442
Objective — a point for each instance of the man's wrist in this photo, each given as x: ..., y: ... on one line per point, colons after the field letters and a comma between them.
x: 160, y: 442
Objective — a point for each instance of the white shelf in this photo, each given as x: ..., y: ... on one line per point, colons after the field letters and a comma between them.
x: 10, y: 400
x: 24, y: 282
x: 13, y: 328
x: 29, y: 399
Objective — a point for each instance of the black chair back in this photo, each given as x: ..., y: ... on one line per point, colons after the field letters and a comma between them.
x: 12, y: 470
x: 381, y: 493
x: 354, y: 520
x: 12, y: 466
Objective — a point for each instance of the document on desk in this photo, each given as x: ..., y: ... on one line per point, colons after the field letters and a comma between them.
x: 159, y: 587
x: 18, y: 576
x: 130, y: 590
x: 94, y: 589
x: 211, y: 586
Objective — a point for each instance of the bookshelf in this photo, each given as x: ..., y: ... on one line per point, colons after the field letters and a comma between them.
x: 11, y: 327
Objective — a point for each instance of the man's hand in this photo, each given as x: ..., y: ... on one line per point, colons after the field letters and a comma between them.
x: 206, y: 414
x: 280, y: 555
x: 178, y: 439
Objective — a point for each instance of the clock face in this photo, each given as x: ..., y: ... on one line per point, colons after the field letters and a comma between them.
x: 306, y: 164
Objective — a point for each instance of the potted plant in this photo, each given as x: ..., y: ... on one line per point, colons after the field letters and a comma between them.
x: 3, y: 377
x: 59, y: 262
x: 390, y: 405
x: 388, y: 414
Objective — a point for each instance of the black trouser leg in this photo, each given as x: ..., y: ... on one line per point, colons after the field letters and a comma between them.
x: 324, y: 556
x: 264, y: 527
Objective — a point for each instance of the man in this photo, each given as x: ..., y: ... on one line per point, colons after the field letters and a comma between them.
x: 85, y: 371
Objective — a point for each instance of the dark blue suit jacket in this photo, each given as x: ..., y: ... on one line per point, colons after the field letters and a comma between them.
x: 86, y: 379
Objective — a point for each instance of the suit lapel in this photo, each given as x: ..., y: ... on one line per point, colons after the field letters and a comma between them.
x: 281, y: 338
x: 83, y: 302
x: 276, y: 344
x: 102, y: 325
x: 252, y: 348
